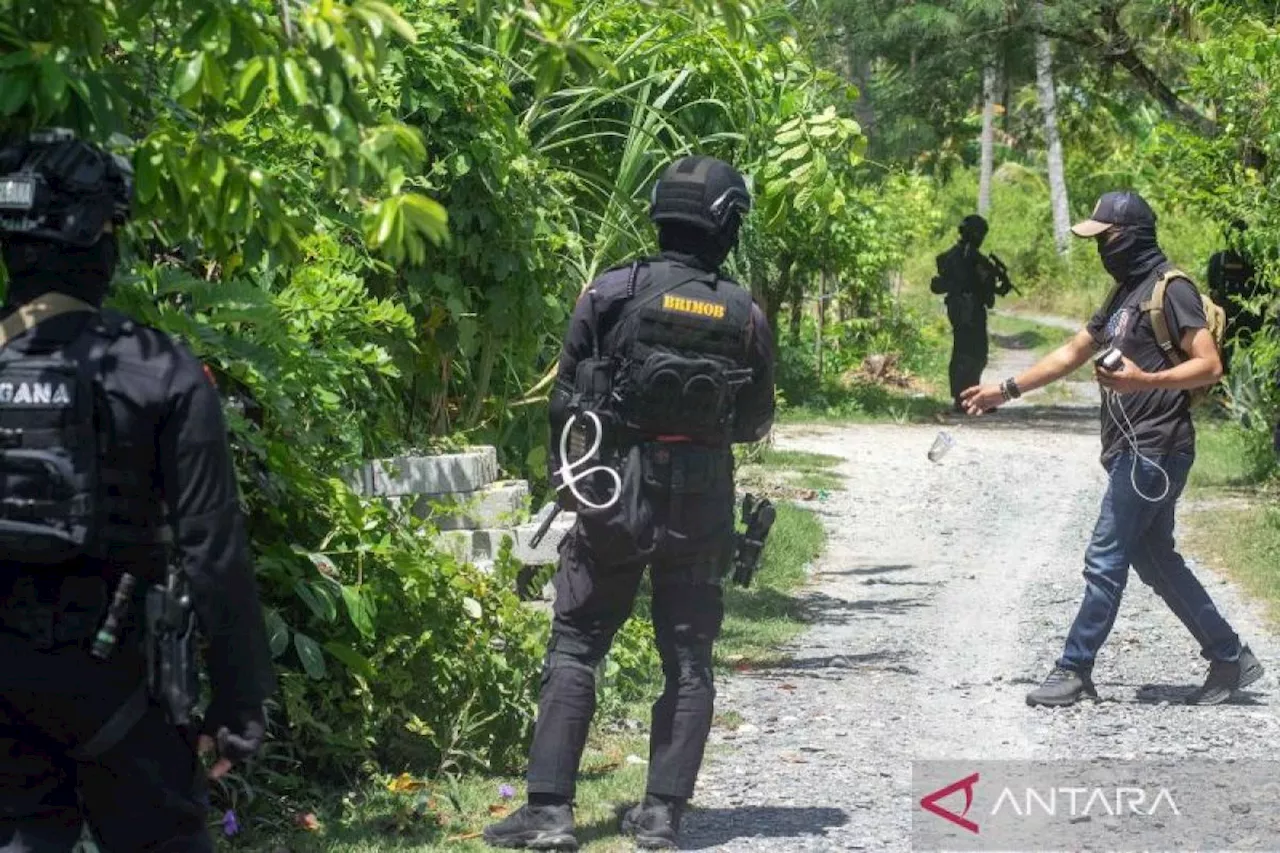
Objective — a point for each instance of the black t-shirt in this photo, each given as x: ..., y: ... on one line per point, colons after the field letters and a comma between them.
x: 1161, y: 417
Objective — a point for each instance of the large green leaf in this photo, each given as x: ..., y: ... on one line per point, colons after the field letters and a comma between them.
x: 310, y: 654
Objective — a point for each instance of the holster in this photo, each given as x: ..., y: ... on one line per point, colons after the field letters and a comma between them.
x: 172, y: 680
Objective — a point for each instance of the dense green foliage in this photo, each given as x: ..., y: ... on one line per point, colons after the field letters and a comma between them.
x: 372, y: 219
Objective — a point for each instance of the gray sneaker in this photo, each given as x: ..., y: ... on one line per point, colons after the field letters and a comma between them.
x: 534, y: 828
x: 1225, y: 677
x: 1062, y: 687
x: 655, y: 825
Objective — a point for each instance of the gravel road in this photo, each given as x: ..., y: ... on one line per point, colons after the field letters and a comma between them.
x: 944, y: 595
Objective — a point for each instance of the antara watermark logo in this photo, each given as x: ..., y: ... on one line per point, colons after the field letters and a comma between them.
x: 1064, y: 801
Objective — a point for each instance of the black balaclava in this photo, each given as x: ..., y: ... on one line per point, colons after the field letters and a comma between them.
x: 37, y: 267
x: 1132, y: 254
x: 709, y: 249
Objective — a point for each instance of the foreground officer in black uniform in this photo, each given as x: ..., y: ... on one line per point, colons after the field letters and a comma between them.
x: 678, y: 362
x: 114, y: 467
x: 971, y: 282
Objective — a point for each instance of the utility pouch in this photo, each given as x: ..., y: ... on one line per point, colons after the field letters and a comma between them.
x: 172, y: 680
x: 673, y: 394
x: 593, y: 384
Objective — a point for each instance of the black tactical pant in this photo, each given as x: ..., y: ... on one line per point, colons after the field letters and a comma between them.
x: 145, y: 793
x: 969, y: 351
x: 691, y: 541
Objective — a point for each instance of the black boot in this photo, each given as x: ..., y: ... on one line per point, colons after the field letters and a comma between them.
x: 535, y: 828
x: 655, y: 823
x: 1227, y: 676
x: 1062, y: 687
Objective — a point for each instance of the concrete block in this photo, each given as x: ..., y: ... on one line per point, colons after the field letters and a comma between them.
x: 497, y: 505
x: 457, y: 544
x: 548, y: 551
x: 432, y: 475
x: 487, y: 544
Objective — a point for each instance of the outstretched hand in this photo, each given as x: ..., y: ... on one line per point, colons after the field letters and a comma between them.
x: 981, y: 398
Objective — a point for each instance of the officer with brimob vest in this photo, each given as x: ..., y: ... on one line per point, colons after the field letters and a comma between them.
x: 120, y: 532
x: 666, y: 364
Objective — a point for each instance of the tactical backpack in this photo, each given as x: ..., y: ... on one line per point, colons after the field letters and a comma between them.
x: 1215, y: 321
x: 681, y: 347
x: 50, y: 411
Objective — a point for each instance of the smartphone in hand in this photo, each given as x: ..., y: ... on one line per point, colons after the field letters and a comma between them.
x: 1109, y: 360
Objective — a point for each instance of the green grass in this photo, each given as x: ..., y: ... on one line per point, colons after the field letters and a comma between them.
x: 1243, y: 542
x: 761, y: 619
x: 438, y: 816
x: 864, y: 403
x: 1229, y: 457
x: 1231, y: 518
x: 804, y: 470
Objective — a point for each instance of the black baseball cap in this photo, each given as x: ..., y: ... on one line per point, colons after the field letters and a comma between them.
x: 1124, y: 207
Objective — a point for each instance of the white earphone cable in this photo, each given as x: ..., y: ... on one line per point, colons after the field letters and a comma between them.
x: 571, y: 471
x: 1130, y: 434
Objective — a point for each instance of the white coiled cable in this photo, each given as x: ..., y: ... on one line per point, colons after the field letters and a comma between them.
x: 571, y: 471
x: 1130, y: 434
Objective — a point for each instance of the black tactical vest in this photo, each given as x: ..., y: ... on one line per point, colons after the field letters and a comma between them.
x: 69, y: 487
x: 679, y: 350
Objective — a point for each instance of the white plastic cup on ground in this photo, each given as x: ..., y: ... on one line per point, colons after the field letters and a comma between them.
x: 941, y: 445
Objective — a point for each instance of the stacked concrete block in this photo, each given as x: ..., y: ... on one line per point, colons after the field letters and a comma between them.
x: 446, y: 474
x: 460, y: 493
x: 497, y: 505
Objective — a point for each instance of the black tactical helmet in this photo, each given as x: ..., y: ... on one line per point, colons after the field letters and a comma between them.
x: 700, y: 191
x: 57, y: 188
x: 975, y: 225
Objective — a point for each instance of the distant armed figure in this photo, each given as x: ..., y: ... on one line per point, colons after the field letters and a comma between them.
x: 1233, y: 283
x: 971, y: 282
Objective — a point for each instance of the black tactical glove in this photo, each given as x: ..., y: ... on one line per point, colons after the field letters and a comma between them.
x: 236, y: 733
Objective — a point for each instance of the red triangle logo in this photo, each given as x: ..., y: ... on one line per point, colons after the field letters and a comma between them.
x: 930, y: 803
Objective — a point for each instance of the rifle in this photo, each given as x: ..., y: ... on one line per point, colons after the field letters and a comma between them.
x: 1002, y: 272
x: 758, y: 515
x: 545, y: 526
x: 171, y: 664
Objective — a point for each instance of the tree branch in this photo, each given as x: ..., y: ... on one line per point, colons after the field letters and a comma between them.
x: 1119, y: 48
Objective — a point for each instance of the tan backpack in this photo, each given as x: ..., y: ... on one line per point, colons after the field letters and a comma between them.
x: 1215, y: 317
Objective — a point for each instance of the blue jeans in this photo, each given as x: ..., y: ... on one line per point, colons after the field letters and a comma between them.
x: 1134, y: 531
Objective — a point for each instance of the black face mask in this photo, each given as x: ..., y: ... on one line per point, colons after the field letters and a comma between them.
x: 1130, y: 252
x: 38, y: 266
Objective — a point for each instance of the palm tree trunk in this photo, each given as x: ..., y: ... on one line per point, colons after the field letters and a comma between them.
x: 988, y: 138
x: 1049, y: 105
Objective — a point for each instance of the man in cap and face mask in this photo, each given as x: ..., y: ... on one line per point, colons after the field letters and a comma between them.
x: 971, y: 282
x: 1148, y: 447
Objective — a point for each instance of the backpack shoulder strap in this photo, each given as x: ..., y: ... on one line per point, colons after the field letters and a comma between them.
x: 1159, y: 322
x: 38, y: 310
